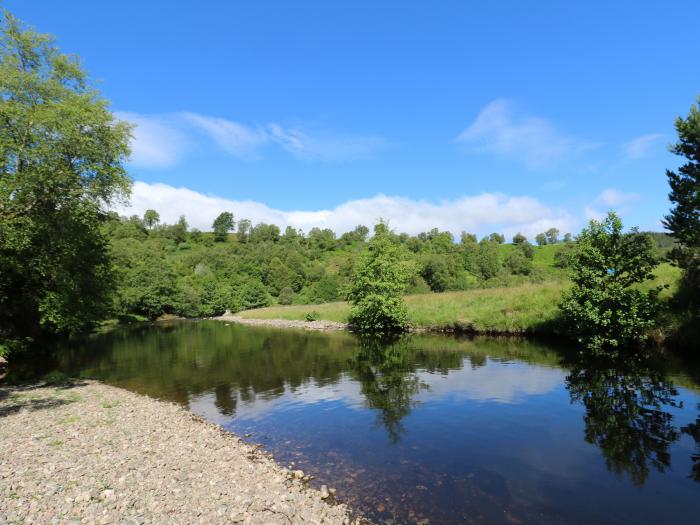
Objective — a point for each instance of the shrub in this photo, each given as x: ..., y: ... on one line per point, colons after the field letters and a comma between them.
x: 286, y: 296
x: 312, y: 316
x: 377, y: 284
x: 603, y: 309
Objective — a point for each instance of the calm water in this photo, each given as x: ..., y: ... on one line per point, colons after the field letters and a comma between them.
x: 452, y: 430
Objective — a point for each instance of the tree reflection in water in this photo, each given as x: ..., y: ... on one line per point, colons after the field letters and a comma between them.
x: 626, y: 414
x: 693, y: 430
x: 386, y: 372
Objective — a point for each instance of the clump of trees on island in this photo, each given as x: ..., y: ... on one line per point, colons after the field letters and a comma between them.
x: 67, y: 262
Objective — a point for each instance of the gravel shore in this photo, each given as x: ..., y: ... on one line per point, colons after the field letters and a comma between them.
x: 91, y: 453
x: 284, y: 323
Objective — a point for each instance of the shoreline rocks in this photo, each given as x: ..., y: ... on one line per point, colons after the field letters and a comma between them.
x: 284, y: 323
x: 91, y: 453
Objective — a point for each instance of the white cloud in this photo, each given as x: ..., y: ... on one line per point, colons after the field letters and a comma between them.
x: 482, y: 214
x: 608, y: 199
x: 163, y: 140
x: 639, y: 147
x: 323, y: 146
x: 613, y: 197
x: 157, y: 142
x: 237, y: 139
x: 533, y: 141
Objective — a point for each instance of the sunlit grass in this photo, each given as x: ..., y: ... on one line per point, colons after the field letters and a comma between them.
x: 525, y: 308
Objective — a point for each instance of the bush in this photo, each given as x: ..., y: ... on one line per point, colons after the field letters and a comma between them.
x: 604, y: 310
x: 252, y: 294
x: 377, y: 284
x: 312, y: 316
x: 286, y: 296
x: 518, y: 263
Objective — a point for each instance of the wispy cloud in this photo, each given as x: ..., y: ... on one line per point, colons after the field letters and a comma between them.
x: 482, y: 213
x: 235, y: 138
x: 158, y: 141
x: 610, y: 199
x: 324, y: 146
x: 534, y: 141
x: 163, y: 140
x: 640, y: 147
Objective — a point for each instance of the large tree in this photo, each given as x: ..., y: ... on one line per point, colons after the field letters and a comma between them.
x: 605, y: 309
x: 61, y: 156
x: 684, y: 218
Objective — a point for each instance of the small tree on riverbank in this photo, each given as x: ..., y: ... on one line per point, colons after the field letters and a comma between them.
x: 605, y: 310
x: 378, y: 281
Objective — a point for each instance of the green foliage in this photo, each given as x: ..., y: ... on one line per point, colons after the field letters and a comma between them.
x: 541, y: 239
x: 487, y: 259
x: 552, y: 236
x: 519, y: 263
x: 311, y: 316
x: 519, y: 238
x: 684, y: 218
x: 222, y: 225
x: 604, y: 309
x: 251, y: 295
x: 151, y: 218
x: 61, y: 156
x: 377, y: 284
x: 286, y: 296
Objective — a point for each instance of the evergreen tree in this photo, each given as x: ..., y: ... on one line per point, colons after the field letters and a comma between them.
x: 684, y: 218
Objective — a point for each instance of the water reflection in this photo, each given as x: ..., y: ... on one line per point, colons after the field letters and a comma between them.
x: 452, y: 430
x: 386, y: 370
x: 629, y: 405
x: 693, y: 430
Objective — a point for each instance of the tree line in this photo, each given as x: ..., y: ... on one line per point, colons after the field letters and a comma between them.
x: 67, y: 262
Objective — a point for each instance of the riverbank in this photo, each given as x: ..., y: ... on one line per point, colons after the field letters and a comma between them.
x: 284, y: 323
x: 526, y: 309
x: 91, y: 453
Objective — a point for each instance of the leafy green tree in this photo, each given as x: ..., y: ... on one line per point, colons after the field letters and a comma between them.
x: 541, y: 239
x: 684, y: 218
x: 222, y: 225
x: 552, y: 236
x: 61, y: 155
x: 286, y: 296
x: 178, y: 231
x: 436, y: 273
x: 243, y: 232
x: 251, y: 295
x: 377, y: 284
x: 467, y: 238
x: 498, y: 238
x: 487, y: 259
x: 519, y: 238
x: 518, y: 263
x: 568, y: 238
x: 151, y: 218
x: 605, y: 310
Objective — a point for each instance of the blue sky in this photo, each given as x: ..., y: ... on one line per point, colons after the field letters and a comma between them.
x: 463, y: 115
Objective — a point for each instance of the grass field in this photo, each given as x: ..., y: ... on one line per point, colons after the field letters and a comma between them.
x: 529, y: 308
